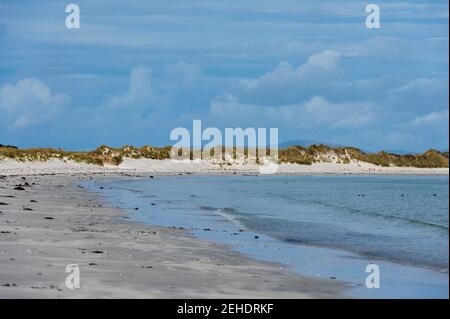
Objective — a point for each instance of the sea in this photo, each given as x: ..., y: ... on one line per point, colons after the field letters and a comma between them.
x: 324, y: 226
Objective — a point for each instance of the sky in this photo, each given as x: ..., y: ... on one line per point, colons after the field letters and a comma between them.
x: 135, y: 70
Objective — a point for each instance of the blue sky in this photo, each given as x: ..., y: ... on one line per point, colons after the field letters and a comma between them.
x: 137, y: 69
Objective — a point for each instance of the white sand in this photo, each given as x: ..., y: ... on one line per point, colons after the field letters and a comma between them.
x: 64, y: 224
x: 54, y: 166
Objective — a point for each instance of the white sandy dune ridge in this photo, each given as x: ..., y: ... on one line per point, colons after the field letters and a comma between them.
x: 57, y: 166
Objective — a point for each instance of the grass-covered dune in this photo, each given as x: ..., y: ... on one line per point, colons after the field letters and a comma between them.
x: 323, y: 153
x: 294, y: 154
x: 100, y: 156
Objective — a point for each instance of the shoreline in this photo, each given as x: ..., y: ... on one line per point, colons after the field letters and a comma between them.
x: 304, y: 260
x: 54, y: 223
x: 10, y: 167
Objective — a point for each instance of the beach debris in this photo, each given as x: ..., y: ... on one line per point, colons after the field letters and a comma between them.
x: 146, y: 232
x: 97, y: 252
x: 9, y: 285
x: 1, y: 203
x: 256, y: 237
x: 92, y: 264
x: 28, y: 209
x: 332, y: 277
x: 48, y: 218
x: 55, y: 287
x: 19, y: 188
x: 146, y: 267
x: 33, y: 201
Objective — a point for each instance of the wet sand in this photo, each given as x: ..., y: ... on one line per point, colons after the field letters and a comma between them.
x: 48, y: 222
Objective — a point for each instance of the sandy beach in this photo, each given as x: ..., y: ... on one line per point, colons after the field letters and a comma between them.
x: 169, y: 167
x: 50, y: 222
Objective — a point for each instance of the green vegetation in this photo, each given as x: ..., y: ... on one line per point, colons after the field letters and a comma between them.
x: 8, y: 146
x: 323, y: 153
x: 105, y: 155
x: 100, y: 156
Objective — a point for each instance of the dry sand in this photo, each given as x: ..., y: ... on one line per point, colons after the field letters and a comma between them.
x: 117, y: 258
x: 53, y: 223
x: 54, y: 166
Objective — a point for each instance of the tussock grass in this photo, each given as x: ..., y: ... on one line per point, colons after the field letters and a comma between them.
x: 106, y: 155
x: 322, y: 153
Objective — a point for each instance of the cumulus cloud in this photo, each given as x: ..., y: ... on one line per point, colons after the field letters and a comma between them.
x: 327, y: 59
x: 339, y: 115
x: 29, y: 102
x: 294, y: 98
x: 140, y: 94
x: 419, y: 95
x: 284, y: 74
x: 313, y: 114
x: 286, y: 84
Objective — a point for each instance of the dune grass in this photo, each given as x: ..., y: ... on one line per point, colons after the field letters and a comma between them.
x: 105, y: 155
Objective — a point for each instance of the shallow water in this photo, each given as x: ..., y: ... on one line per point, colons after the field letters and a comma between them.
x: 326, y: 226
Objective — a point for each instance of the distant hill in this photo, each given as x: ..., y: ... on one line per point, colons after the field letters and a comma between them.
x: 293, y: 154
x: 305, y: 143
x: 401, y: 152
x: 8, y: 146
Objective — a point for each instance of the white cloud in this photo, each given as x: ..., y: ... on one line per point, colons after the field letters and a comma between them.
x: 315, y: 113
x: 419, y: 95
x: 284, y: 75
x: 339, y: 115
x: 431, y: 118
x: 140, y: 94
x: 327, y: 59
x: 29, y: 102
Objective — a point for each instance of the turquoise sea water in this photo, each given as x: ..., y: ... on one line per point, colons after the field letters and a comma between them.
x: 327, y: 226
